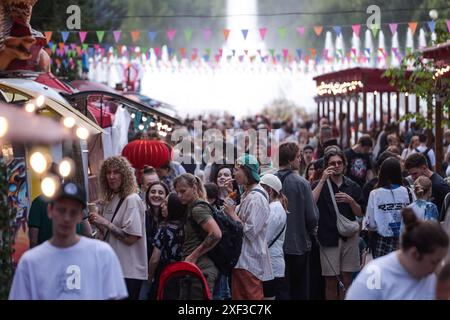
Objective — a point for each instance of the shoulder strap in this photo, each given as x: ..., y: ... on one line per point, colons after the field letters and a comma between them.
x: 333, y: 199
x: 261, y: 192
x: 283, y: 177
x: 114, y: 215
x: 278, y: 235
x: 409, y: 195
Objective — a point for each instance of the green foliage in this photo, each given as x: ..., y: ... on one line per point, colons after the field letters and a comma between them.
x: 417, y: 76
x: 6, y: 236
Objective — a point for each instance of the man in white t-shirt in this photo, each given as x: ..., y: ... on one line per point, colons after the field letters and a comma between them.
x: 427, y: 152
x: 68, y: 267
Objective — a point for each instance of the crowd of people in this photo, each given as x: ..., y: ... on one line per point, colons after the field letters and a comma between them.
x: 319, y: 220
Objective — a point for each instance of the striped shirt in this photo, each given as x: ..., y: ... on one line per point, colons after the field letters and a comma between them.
x: 254, y: 212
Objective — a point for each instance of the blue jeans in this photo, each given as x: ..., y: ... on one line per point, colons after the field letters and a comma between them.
x: 222, y: 289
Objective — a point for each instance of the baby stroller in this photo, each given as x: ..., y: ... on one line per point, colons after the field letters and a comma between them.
x: 178, y: 278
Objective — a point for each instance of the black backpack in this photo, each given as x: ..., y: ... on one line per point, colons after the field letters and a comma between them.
x: 226, y: 253
x: 425, y: 153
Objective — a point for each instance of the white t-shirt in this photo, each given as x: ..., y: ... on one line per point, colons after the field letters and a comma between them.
x: 430, y: 154
x: 386, y: 279
x: 276, y: 222
x: 131, y: 219
x: 88, y: 270
x: 383, y: 210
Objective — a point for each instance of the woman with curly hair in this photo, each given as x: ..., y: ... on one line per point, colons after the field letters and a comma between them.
x: 122, y: 221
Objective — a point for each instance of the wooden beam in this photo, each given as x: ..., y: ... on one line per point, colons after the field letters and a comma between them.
x: 341, y: 122
x: 364, y: 119
x: 389, y: 107
x: 349, y: 133
x: 328, y: 109
x: 323, y: 108
x: 356, y: 120
x: 417, y: 104
x: 334, y: 111
x: 397, y: 113
x: 318, y: 112
x: 375, y: 124
x: 381, y: 111
x: 406, y: 112
x: 439, y: 136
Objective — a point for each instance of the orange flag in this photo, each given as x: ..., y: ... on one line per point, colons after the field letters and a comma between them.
x: 135, y: 35
x: 226, y: 33
x: 48, y: 35
x: 413, y: 27
x: 318, y: 30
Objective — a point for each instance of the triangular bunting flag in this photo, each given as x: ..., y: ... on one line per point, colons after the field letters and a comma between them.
x: 157, y: 51
x: 301, y: 31
x: 432, y: 25
x: 375, y: 28
x: 169, y: 51
x: 152, y: 35
x: 282, y: 32
x: 188, y: 34
x: 318, y: 30
x: 82, y: 35
x: 338, y: 30
x: 413, y: 27
x: 299, y: 53
x: 183, y: 52
x: 244, y: 33
x: 272, y: 52
x: 85, y: 46
x: 246, y: 52
x: 64, y: 35
x: 171, y: 34
x: 54, y: 47
x: 135, y: 35
x: 116, y: 35
x: 206, y: 34
x: 313, y: 52
x: 393, y: 27
x: 226, y: 33
x: 100, y: 35
x: 285, y: 53
x: 234, y: 52
x: 208, y: 51
x: 356, y: 29
x: 262, y: 33
x: 48, y: 35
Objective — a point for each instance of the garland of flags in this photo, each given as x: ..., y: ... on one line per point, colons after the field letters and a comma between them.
x: 69, y: 53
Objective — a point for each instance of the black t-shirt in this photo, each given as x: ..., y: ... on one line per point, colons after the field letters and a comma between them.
x: 327, y: 232
x: 358, y: 164
x: 440, y: 190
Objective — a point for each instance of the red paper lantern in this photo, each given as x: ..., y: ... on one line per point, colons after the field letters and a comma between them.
x: 146, y: 152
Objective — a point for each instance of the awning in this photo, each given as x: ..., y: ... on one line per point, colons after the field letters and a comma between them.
x: 53, y: 100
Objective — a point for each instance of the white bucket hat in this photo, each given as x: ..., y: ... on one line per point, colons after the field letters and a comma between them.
x: 272, y: 181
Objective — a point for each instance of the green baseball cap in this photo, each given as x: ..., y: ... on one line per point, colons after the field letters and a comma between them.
x: 251, y: 163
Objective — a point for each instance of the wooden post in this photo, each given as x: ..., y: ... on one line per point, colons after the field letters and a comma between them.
x: 349, y: 133
x: 318, y: 111
x: 417, y: 104
x: 375, y: 126
x: 334, y: 112
x: 430, y: 117
x: 397, y: 114
x: 439, y: 136
x: 364, y: 119
x: 328, y: 109
x: 323, y: 107
x: 406, y: 112
x: 389, y: 107
x: 356, y: 121
x: 341, y: 121
x: 381, y: 111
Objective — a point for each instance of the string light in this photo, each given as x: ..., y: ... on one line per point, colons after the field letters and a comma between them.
x: 69, y: 122
x: 30, y: 107
x: 38, y: 162
x: 141, y: 127
x: 49, y: 185
x: 441, y: 71
x: 144, y: 119
x: 40, y: 101
x: 3, y: 126
x: 82, y: 133
x: 338, y: 88
x: 65, y: 167
x: 133, y: 116
x: 152, y: 124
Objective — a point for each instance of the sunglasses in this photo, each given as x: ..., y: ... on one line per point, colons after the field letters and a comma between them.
x: 336, y: 163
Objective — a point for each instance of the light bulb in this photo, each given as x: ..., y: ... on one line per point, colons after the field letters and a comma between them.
x: 49, y: 185
x: 3, y: 126
x: 82, y: 133
x: 141, y: 127
x: 40, y: 101
x: 65, y: 167
x: 38, y: 162
x: 434, y: 14
x: 30, y: 107
x: 133, y: 116
x: 144, y: 119
x: 69, y: 122
x: 152, y: 124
